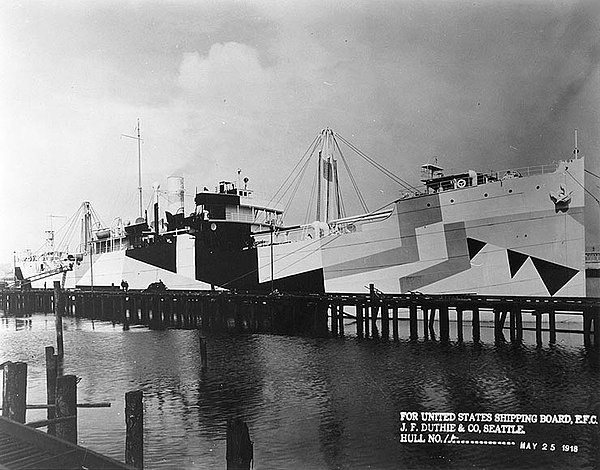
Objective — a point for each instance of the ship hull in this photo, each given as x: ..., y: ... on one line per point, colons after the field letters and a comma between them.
x: 502, y: 238
x: 506, y: 237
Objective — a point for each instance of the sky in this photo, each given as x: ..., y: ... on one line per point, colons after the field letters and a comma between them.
x: 225, y: 85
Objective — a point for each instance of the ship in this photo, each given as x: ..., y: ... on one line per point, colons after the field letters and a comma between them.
x: 514, y: 232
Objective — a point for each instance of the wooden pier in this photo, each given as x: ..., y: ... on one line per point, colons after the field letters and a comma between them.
x: 24, y: 447
x: 377, y: 315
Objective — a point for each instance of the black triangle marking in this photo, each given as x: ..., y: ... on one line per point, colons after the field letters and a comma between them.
x: 515, y: 261
x: 554, y: 276
x: 475, y: 246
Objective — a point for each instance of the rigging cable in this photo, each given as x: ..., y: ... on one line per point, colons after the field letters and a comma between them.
x: 584, y: 188
x: 311, y: 198
x: 298, y: 177
x: 299, y: 180
x: 380, y: 167
x: 283, y: 185
x: 353, y: 181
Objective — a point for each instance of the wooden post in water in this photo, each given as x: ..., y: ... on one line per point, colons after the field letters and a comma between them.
x: 66, y: 406
x: 552, y: 326
x: 518, y: 323
x: 538, y: 328
x: 134, y: 423
x: 412, y: 313
x: 395, y: 325
x: 333, y: 312
x: 596, y: 317
x: 203, y: 356
x: 240, y: 449
x: 359, y: 320
x: 431, y: 323
x: 58, y: 314
x: 367, y: 322
x: 587, y: 327
x: 385, y: 321
x: 125, y: 300
x: 496, y: 323
x: 444, y: 324
x: 51, y: 375
x: 459, y: 324
x: 499, y: 327
x: 341, y: 319
x: 512, y: 326
x: 14, y: 391
x: 425, y: 322
x: 374, y: 309
x: 476, y: 326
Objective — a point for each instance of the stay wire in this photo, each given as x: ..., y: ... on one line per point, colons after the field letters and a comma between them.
x: 584, y: 188
x: 352, y: 180
x: 311, y: 198
x: 298, y: 182
x: 298, y: 177
x: 380, y: 167
x: 283, y: 185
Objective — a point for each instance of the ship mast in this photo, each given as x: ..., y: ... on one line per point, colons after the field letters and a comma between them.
x: 327, y: 170
x: 139, y: 145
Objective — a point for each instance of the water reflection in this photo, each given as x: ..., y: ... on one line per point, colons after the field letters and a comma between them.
x: 309, y: 402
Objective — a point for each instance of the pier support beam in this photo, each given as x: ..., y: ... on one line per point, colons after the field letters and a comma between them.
x: 333, y: 315
x: 444, y: 324
x: 538, y: 328
x: 385, y: 321
x: 431, y: 323
x: 552, y: 326
x: 359, y: 321
x: 341, y: 319
x: 395, y: 325
x: 459, y: 324
x: 414, y: 334
x: 476, y: 326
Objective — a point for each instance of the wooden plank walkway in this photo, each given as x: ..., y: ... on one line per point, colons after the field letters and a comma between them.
x: 22, y: 447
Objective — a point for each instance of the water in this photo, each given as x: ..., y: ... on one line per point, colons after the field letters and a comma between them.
x: 309, y: 403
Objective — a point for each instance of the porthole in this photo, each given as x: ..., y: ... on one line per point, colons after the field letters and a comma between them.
x: 537, y: 187
x: 509, y: 191
x: 429, y: 204
x: 451, y: 201
x: 485, y: 195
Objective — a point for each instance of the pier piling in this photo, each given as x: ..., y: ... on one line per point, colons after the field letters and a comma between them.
x: 134, y: 422
x: 359, y: 320
x: 203, y: 356
x: 552, y: 326
x: 476, y: 326
x: 240, y: 449
x: 14, y: 390
x: 51, y: 375
x: 395, y: 325
x: 414, y: 332
x: 66, y: 407
x: 59, y: 307
x: 538, y: 328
